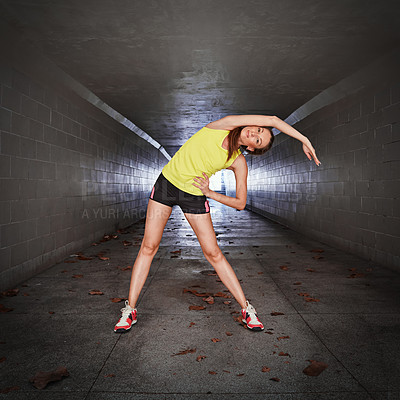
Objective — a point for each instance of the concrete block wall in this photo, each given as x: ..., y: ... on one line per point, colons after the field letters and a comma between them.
x: 69, y: 174
x: 352, y: 200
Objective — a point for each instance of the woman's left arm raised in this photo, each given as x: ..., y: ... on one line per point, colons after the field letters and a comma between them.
x: 233, y: 121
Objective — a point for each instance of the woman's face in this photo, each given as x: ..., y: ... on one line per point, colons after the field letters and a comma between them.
x: 254, y: 137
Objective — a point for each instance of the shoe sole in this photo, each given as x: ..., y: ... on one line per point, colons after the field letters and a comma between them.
x: 256, y: 329
x: 122, y: 330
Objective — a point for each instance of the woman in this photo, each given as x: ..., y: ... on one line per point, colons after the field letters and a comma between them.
x: 184, y: 182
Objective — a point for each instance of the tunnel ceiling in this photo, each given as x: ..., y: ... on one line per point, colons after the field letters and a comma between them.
x: 172, y: 66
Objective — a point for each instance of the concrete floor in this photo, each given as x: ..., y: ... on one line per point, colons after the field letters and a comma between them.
x: 354, y: 327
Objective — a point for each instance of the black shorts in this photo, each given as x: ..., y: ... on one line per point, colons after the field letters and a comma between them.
x: 166, y: 193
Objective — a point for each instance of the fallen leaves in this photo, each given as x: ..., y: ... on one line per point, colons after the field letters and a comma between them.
x: 315, y: 368
x: 191, y: 324
x: 212, y: 372
x: 275, y: 313
x: 5, y: 309
x: 215, y: 340
x: 196, y: 308
x: 265, y: 369
x: 10, y: 292
x: 83, y: 258
x: 209, y: 299
x: 297, y: 283
x: 42, y: 379
x: 282, y: 354
x: 356, y: 275
x: 117, y: 299
x: 183, y: 352
x: 2, y: 359
x: 196, y: 293
x: 96, y: 292
x: 125, y: 268
x: 275, y: 379
x: 127, y: 243
x: 228, y: 333
x: 308, y: 298
x: 310, y: 270
x: 284, y: 267
x: 9, y: 389
x: 283, y: 337
x: 224, y: 295
x: 103, y: 258
x: 199, y: 358
x: 317, y: 250
x: 77, y: 276
x: 109, y: 376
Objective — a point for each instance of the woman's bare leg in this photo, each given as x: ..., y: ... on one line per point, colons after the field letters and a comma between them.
x: 204, y: 230
x: 156, y: 219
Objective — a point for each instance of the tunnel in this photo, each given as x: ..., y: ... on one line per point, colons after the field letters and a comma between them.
x: 96, y: 99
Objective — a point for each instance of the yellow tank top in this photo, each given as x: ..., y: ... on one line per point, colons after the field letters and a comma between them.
x: 203, y: 152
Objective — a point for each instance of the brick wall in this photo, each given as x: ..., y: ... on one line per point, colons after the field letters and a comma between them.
x: 69, y: 174
x: 351, y: 200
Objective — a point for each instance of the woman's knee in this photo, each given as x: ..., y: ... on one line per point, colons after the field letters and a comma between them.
x: 149, y: 248
x: 213, y: 254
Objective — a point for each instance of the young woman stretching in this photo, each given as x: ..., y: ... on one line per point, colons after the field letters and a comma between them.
x: 184, y: 182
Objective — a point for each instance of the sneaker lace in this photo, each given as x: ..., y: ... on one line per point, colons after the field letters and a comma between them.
x: 126, y: 310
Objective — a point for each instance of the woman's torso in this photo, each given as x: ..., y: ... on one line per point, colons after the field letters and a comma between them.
x: 203, y: 152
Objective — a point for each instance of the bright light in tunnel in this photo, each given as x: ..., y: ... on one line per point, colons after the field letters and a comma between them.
x: 215, y: 181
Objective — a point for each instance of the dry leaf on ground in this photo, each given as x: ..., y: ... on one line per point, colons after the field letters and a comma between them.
x: 103, y: 258
x: 209, y: 299
x: 191, y: 324
x: 212, y: 372
x: 282, y: 354
x: 10, y: 292
x: 358, y: 275
x: 310, y: 270
x: 9, y: 389
x: 183, y: 352
x: 315, y: 368
x: 199, y: 358
x: 95, y: 291
x: 5, y: 309
x: 265, y: 369
x: 196, y: 308
x: 127, y: 243
x: 117, y: 299
x: 297, y: 283
x: 284, y: 267
x: 215, y: 340
x: 109, y: 376
x: 225, y: 295
x: 41, y: 379
x: 77, y: 276
x: 275, y: 379
x: 275, y: 313
x: 228, y: 333
x: 196, y: 293
x: 84, y: 258
x: 317, y: 250
x: 283, y: 337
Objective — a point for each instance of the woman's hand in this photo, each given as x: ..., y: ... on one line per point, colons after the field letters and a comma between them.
x: 203, y: 184
x: 310, y: 153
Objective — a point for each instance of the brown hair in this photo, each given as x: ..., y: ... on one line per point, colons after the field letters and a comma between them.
x: 233, y: 139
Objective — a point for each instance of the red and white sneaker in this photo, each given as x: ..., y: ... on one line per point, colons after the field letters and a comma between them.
x: 128, y: 318
x: 249, y: 317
